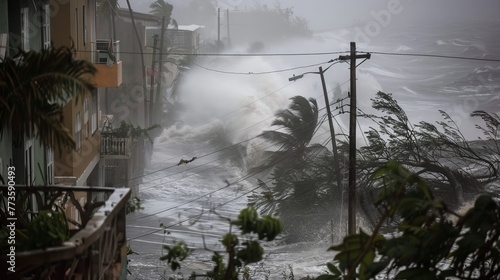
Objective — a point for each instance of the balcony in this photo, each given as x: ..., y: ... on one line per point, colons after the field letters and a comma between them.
x: 96, y: 248
x: 115, y: 146
x: 106, y: 59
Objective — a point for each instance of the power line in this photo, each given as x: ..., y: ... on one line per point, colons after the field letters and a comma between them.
x: 214, y: 152
x: 311, y: 54
x: 219, y: 117
x: 260, y: 73
x: 222, y: 149
x: 225, y: 148
x: 220, y: 205
x: 228, y: 147
x: 435, y: 56
x: 232, y: 54
x: 212, y: 192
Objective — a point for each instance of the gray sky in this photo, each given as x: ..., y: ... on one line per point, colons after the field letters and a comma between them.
x: 325, y: 14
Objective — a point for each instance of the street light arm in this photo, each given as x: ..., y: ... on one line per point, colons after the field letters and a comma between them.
x: 294, y: 78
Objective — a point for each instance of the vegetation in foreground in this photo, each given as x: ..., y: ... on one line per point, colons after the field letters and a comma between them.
x: 431, y: 241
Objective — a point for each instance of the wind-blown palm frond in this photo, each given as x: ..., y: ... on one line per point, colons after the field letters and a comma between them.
x: 299, y: 122
x: 34, y: 88
x: 293, y: 150
x: 160, y: 8
x: 105, y: 8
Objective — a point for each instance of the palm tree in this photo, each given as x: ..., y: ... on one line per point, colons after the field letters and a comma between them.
x: 107, y: 9
x: 300, y: 122
x: 143, y: 64
x: 160, y: 8
x: 34, y: 88
x: 300, y: 186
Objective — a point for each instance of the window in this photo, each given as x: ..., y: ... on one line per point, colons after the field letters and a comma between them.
x: 94, y: 112
x: 76, y: 27
x: 84, y: 25
x: 3, y: 45
x: 78, y: 131
x: 29, y: 162
x: 25, y: 42
x: 50, y: 166
x: 1, y: 173
x: 46, y: 26
x: 86, y: 118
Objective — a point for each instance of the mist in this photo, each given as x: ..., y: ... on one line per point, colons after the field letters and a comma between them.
x: 326, y: 14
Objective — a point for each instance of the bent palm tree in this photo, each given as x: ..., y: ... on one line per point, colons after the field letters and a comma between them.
x: 298, y: 190
x: 289, y: 164
x: 160, y: 8
x: 300, y: 122
x: 34, y: 88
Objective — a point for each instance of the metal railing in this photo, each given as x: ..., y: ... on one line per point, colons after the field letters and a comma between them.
x: 106, y: 49
x: 95, y: 249
x: 114, y: 145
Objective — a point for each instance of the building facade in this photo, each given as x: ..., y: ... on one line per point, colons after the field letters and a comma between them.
x: 73, y: 24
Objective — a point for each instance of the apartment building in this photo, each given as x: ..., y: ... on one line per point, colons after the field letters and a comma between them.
x: 73, y: 24
x: 25, y: 25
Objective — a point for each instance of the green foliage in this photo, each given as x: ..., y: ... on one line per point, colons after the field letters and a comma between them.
x: 175, y: 254
x: 134, y: 204
x: 35, y: 87
x: 438, y: 152
x: 54, y: 227
x: 427, y: 245
x: 239, y: 254
x: 125, y: 129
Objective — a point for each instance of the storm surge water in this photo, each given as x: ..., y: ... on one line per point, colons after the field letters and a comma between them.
x: 226, y: 101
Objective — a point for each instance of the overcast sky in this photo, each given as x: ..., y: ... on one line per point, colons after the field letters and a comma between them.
x: 326, y: 14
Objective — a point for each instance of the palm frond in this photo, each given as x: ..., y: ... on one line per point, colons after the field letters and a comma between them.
x: 35, y: 87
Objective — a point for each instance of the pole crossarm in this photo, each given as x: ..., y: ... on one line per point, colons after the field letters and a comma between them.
x: 357, y: 56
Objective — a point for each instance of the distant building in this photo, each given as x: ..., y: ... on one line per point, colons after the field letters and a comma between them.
x: 185, y: 39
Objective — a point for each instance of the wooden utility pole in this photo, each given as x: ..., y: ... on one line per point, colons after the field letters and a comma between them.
x: 228, y: 33
x: 218, y: 28
x: 152, y: 83
x: 336, y: 166
x: 158, y: 106
x: 351, y: 220
x: 143, y: 64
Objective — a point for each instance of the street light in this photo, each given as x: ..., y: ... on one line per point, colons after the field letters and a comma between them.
x: 330, y: 122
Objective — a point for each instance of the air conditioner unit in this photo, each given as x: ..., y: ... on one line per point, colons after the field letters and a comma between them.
x: 102, y: 56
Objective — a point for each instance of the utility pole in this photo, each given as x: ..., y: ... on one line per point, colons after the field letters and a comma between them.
x: 332, y: 133
x: 228, y: 33
x: 160, y: 68
x: 218, y: 28
x: 351, y: 220
x: 152, y: 89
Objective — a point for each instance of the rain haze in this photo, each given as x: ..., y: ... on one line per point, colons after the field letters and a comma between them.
x: 430, y: 55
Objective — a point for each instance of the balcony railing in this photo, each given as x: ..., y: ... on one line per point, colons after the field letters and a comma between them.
x: 113, y: 146
x: 96, y: 248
